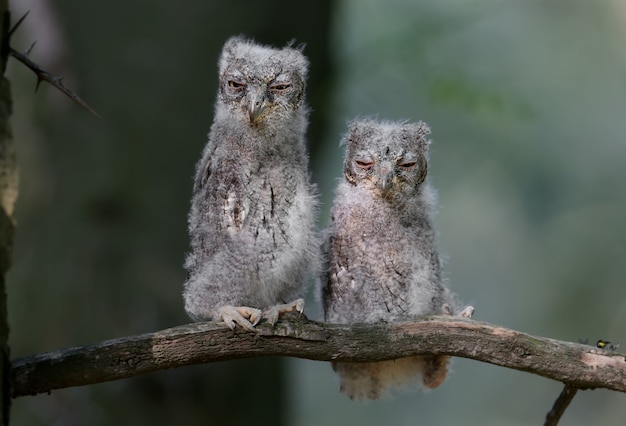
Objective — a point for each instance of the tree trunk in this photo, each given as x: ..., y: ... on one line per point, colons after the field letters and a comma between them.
x: 8, y: 195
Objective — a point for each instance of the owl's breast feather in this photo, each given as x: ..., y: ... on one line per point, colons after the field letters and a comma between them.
x: 235, y: 212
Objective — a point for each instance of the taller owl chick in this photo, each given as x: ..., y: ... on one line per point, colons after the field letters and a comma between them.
x: 253, y: 210
x: 382, y: 261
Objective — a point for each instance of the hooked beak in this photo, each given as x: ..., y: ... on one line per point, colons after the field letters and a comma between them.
x: 256, y: 106
x: 385, y: 178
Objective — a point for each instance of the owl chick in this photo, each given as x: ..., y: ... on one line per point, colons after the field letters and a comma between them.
x: 253, y: 210
x: 382, y: 261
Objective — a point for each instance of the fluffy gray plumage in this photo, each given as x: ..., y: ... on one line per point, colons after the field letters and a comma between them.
x: 253, y: 211
x: 382, y: 261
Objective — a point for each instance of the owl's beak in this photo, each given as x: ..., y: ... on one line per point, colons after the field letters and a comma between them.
x: 256, y: 105
x: 385, y: 178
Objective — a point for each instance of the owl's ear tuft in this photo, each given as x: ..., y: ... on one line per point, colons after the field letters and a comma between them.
x: 228, y: 52
x: 418, y: 132
x: 351, y: 137
x: 234, y: 46
x: 297, y: 59
x: 296, y: 46
x: 234, y: 41
x: 356, y: 130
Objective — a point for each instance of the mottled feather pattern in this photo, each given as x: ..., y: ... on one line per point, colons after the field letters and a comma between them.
x: 382, y: 262
x: 253, y: 214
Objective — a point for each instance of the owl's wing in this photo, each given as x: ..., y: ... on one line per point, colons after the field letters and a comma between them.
x: 200, y: 179
x: 337, y: 278
x: 203, y: 168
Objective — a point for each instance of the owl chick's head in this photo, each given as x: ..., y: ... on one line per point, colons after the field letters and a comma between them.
x: 259, y: 84
x: 388, y: 158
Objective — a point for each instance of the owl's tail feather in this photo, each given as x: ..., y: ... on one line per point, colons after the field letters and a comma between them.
x: 372, y: 380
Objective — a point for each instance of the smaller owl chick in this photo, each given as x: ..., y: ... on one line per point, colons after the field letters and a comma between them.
x: 382, y: 260
x: 253, y: 211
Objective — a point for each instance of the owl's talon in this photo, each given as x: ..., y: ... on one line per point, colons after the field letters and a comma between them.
x: 272, y: 313
x: 243, y: 316
x: 256, y: 316
x: 467, y: 312
x: 271, y: 316
x: 299, y: 304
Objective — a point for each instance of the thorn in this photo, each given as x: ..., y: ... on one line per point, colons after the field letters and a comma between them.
x: 27, y: 51
x: 53, y: 80
x: 17, y: 24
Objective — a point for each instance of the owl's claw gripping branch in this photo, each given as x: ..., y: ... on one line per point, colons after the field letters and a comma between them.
x: 243, y: 316
x: 467, y: 312
x: 272, y: 313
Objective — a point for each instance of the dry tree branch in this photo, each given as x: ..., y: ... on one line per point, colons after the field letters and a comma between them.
x: 561, y: 403
x: 577, y: 365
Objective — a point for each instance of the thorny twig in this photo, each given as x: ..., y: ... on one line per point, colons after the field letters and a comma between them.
x: 43, y: 75
x: 17, y: 24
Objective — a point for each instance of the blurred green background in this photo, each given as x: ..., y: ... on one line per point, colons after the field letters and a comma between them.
x: 526, y: 100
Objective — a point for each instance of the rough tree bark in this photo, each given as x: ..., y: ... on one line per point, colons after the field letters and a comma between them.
x: 8, y: 195
x: 577, y: 365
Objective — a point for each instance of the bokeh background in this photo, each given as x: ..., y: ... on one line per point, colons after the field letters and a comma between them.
x: 526, y: 100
